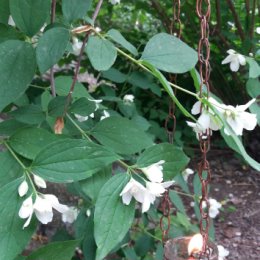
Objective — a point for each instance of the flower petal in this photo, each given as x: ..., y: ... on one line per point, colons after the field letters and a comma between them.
x: 40, y: 182
x: 27, y: 208
x: 248, y: 120
x: 23, y: 188
x: 234, y: 65
x: 242, y: 59
x: 228, y: 59
x: 53, y: 200
x: 242, y: 108
x: 196, y: 108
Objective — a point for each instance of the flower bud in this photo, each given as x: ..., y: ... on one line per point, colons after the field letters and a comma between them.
x: 23, y: 188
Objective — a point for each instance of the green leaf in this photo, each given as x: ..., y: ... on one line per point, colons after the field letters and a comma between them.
x: 92, y: 186
x: 175, y: 159
x: 14, y: 79
x: 121, y: 135
x: 9, y: 127
x: 4, y: 11
x: 31, y: 114
x: 116, y: 36
x: 55, y: 251
x: 255, y: 109
x: 177, y: 201
x: 10, y: 168
x: 253, y: 87
x: 114, y: 75
x: 112, y: 218
x: 71, y: 160
x: 63, y: 84
x: 30, y: 15
x: 254, y: 68
x: 73, y: 10
x: 56, y: 106
x: 101, y: 52
x: 29, y: 141
x: 83, y: 107
x: 8, y: 32
x: 13, y: 237
x: 170, y: 54
x: 51, y: 47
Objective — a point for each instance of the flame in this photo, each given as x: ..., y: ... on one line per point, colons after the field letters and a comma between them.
x: 196, y: 244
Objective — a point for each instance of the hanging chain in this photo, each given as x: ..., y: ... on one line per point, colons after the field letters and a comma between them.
x: 203, y: 9
x: 170, y: 124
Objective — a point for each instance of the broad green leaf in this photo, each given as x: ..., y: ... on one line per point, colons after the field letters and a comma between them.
x: 116, y: 36
x: 253, y: 87
x: 175, y: 159
x: 75, y: 9
x: 170, y: 54
x: 168, y: 89
x: 130, y: 253
x: 56, y: 106
x: 31, y: 114
x: 4, y: 11
x: 14, y: 79
x: 254, y: 68
x: 255, y: 109
x: 51, y: 47
x: 29, y: 141
x: 143, y: 245
x: 121, y: 135
x: 30, y: 15
x: 101, y: 52
x: 46, y: 97
x: 83, y: 107
x: 8, y: 32
x: 9, y: 127
x: 63, y: 84
x: 13, y: 238
x: 114, y: 75
x: 112, y: 219
x: 92, y: 186
x: 55, y: 251
x: 10, y: 168
x: 177, y: 201
x: 71, y: 160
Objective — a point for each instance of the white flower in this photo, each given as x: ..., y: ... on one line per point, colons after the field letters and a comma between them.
x: 235, y: 59
x: 11, y: 21
x: 70, y: 215
x: 238, y: 119
x: 146, y: 196
x: 42, y: 208
x: 186, y: 173
x: 222, y: 253
x: 23, y: 188
x: 257, y: 30
x: 128, y: 98
x: 106, y: 115
x: 81, y: 118
x: 76, y: 46
x: 40, y: 182
x: 214, y: 207
x: 114, y: 2
x: 154, y: 172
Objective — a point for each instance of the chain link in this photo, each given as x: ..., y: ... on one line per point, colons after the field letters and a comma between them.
x: 203, y: 9
x: 170, y: 123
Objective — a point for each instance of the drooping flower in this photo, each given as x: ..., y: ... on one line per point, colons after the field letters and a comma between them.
x: 40, y: 182
x: 235, y: 59
x: 237, y: 117
x: 23, y: 188
x: 186, y: 173
x: 128, y: 98
x: 76, y: 46
x: 114, y: 2
x: 42, y: 207
x: 154, y: 172
x: 70, y: 215
x: 105, y: 115
x: 222, y: 253
x: 214, y: 207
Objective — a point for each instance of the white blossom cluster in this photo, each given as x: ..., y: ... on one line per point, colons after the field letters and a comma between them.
x: 153, y: 188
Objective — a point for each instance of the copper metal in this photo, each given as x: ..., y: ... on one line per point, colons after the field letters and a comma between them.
x: 203, y: 9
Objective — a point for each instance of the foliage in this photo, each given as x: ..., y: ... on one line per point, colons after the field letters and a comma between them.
x: 93, y: 116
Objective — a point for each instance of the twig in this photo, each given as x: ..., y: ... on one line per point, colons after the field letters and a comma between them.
x: 53, y: 14
x: 218, y: 15
x: 80, y: 58
x: 236, y: 19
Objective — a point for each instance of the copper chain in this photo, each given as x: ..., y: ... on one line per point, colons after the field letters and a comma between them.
x: 203, y: 9
x: 170, y: 124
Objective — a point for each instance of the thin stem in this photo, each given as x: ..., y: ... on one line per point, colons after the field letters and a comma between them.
x: 184, y: 194
x: 75, y: 78
x: 149, y: 234
x: 40, y: 87
x: 78, y: 127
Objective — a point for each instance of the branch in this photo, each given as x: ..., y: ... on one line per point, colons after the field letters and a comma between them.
x: 80, y: 58
x: 236, y: 19
x: 53, y: 14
